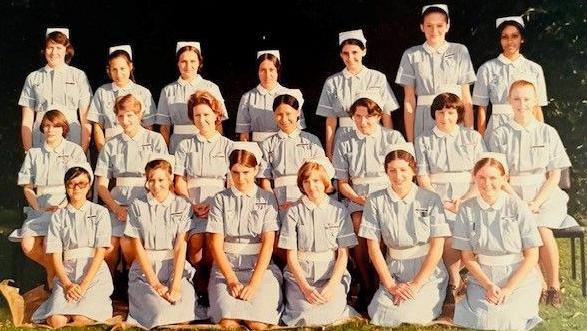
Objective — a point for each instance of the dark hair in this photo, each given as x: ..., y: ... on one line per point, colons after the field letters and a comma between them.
x: 123, y: 54
x: 504, y: 25
x: 305, y: 171
x: 204, y: 98
x: 56, y: 118
x: 127, y: 100
x: 190, y: 48
x: 490, y: 162
x: 400, y: 155
x: 159, y: 164
x: 372, y: 107
x: 448, y: 100
x: 73, y: 173
x: 432, y: 10
x: 242, y: 157
x: 59, y: 37
x: 351, y: 41
x: 286, y: 99
x: 270, y: 57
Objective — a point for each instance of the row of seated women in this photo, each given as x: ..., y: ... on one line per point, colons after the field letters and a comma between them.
x: 496, y: 235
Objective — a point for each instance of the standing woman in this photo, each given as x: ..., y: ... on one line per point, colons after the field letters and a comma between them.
x: 536, y: 156
x: 431, y: 68
x: 446, y: 155
x: 120, y: 69
x: 340, y: 89
x: 56, y: 86
x: 410, y: 221
x: 160, y: 291
x: 495, y: 77
x: 254, y: 120
x: 498, y: 240
x: 245, y: 286
x: 316, y: 233
x: 78, y: 237
x: 123, y: 159
x: 41, y: 176
x: 358, y: 160
x: 172, y: 109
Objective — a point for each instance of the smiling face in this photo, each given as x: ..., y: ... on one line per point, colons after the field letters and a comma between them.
x: 55, y: 54
x: 268, y: 74
x: 158, y: 183
x: 204, y: 118
x: 446, y: 119
x: 523, y: 100
x: 188, y: 64
x: 129, y: 120
x: 286, y: 118
x: 365, y: 122
x: 314, y: 186
x: 352, y: 56
x: 511, y: 41
x: 243, y: 177
x: 435, y: 28
x: 119, y: 71
x: 400, y: 174
x: 77, y: 188
x: 489, y: 180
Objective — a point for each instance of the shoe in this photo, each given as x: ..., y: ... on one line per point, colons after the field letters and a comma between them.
x: 554, y: 297
x: 543, y: 296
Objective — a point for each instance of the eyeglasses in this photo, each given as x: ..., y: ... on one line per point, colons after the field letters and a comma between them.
x: 80, y: 185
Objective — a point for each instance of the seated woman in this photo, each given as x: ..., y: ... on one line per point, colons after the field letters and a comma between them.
x: 160, y: 291
x: 77, y: 240
x: 410, y: 221
x: 497, y: 236
x: 316, y: 233
x: 244, y: 286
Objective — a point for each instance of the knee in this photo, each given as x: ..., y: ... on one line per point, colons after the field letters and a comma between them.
x: 256, y: 325
x: 229, y: 324
x: 28, y: 246
x: 80, y: 319
x: 356, y: 218
x: 57, y: 321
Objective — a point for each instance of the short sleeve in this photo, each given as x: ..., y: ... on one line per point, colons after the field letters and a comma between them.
x: 215, y: 223
x: 53, y: 242
x: 159, y: 145
x: 186, y: 216
x: 27, y: 97
x: 438, y: 225
x: 481, y: 89
x: 370, y: 227
x: 85, y: 96
x: 133, y: 224
x: 25, y: 175
x: 94, y: 115
x: 346, y: 235
x: 558, y: 155
x: 461, y: 239
x: 162, y: 116
x: 103, y: 229
x: 267, y: 170
x: 541, y: 88
x: 421, y: 158
x: 325, y: 103
x: 270, y: 222
x: 405, y: 73
x: 467, y: 73
x: 340, y: 163
x: 528, y: 229
x: 288, y: 237
x: 181, y: 159
x: 243, y: 116
x: 149, y: 117
x: 389, y: 101
x: 103, y: 165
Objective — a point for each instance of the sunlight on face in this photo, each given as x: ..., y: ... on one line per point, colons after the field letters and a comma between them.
x: 400, y: 173
x: 158, y: 183
x: 489, y: 181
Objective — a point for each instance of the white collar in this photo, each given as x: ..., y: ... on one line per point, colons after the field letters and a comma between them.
x: 442, y: 134
x: 203, y: 139
x: 83, y: 208
x: 141, y: 132
x: 194, y: 82
x: 311, y: 205
x: 129, y: 87
x: 431, y: 50
x: 501, y: 195
x: 517, y: 62
x: 409, y: 198
x: 273, y: 92
x: 58, y: 149
x: 62, y: 67
x: 295, y: 133
x: 153, y: 202
x: 238, y: 193
x: 531, y: 125
x: 347, y: 74
x: 376, y: 134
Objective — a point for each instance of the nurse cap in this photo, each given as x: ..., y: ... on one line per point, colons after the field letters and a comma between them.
x: 125, y: 48
x: 325, y: 163
x: 181, y: 44
x: 406, y: 147
x: 499, y: 157
x: 440, y: 6
x: 165, y: 157
x: 249, y: 146
x: 517, y: 19
x: 84, y: 165
x: 369, y: 95
x: 65, y: 31
x: 353, y: 34
x: 273, y: 52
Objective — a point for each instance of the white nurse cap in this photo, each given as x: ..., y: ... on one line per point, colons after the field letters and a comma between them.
x: 125, y: 48
x: 373, y: 96
x: 325, y: 163
x: 517, y: 19
x: 248, y: 146
x: 406, y: 147
x: 181, y: 44
x: 441, y: 6
x: 499, y: 157
x: 165, y: 157
x: 84, y: 165
x: 354, y: 34
x: 273, y: 52
x: 65, y: 31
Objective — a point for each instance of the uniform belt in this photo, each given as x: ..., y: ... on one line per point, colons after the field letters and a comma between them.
x: 289, y: 180
x: 111, y: 132
x: 50, y: 189
x: 205, y: 181
x: 131, y: 181
x: 426, y: 100
x: 79, y: 253
x: 185, y: 129
x: 159, y: 255
x: 316, y: 256
x: 242, y: 248
x: 370, y: 180
x: 527, y: 179
x: 408, y: 253
x: 346, y: 122
x: 451, y: 177
x: 500, y: 259
x: 260, y: 136
x: 503, y: 108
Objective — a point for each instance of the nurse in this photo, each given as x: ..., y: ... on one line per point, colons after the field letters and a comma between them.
x: 410, y: 221
x: 358, y: 161
x: 432, y: 68
x: 498, y: 239
x: 120, y: 69
x: 536, y: 156
x: 78, y: 237
x: 41, y: 177
x: 316, y: 234
x: 160, y: 291
x: 245, y: 285
x: 56, y: 86
x: 340, y: 89
x: 445, y: 156
x: 123, y: 159
x: 172, y: 110
x: 254, y: 120
x: 495, y: 77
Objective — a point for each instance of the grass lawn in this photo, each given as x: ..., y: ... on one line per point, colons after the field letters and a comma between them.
x: 572, y: 315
